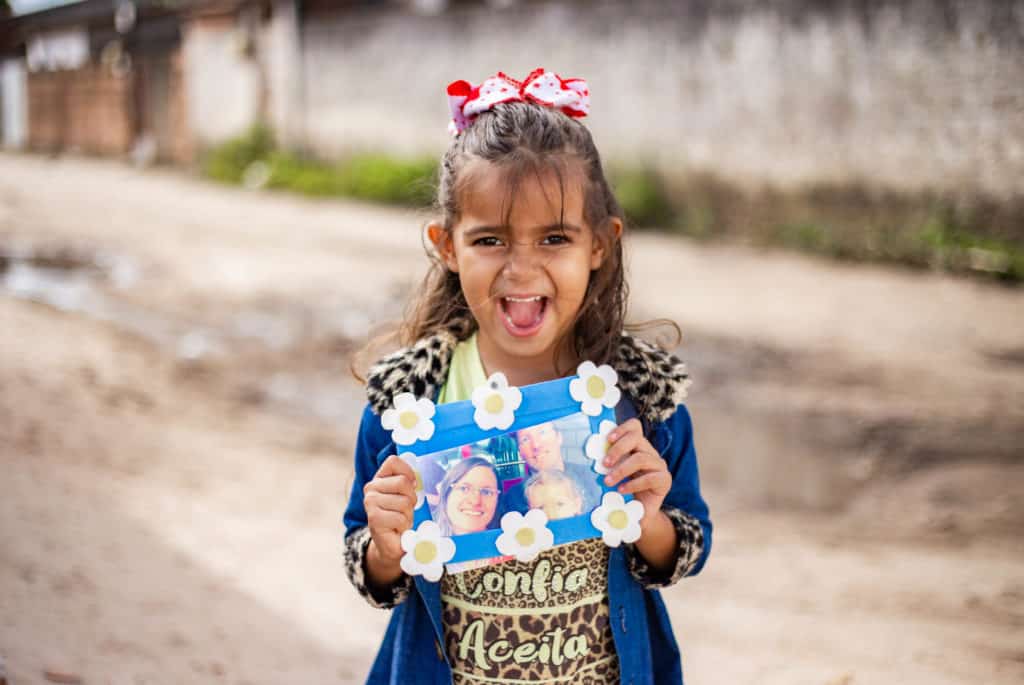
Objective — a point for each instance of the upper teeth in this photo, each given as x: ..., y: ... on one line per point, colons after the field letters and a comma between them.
x: 535, y: 298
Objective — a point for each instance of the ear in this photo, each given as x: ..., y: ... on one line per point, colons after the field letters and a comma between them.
x: 598, y: 252
x: 442, y: 241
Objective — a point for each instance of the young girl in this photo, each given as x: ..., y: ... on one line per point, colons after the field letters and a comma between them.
x: 528, y: 280
x: 557, y: 494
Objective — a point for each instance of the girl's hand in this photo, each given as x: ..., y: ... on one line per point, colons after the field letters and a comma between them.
x: 633, y: 457
x: 389, y: 500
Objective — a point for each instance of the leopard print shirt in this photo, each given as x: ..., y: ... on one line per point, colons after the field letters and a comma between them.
x: 527, y: 622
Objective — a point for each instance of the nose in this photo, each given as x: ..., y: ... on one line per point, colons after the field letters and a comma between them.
x: 521, y: 260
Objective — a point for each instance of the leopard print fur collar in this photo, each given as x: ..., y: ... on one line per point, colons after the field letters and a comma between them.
x: 655, y: 380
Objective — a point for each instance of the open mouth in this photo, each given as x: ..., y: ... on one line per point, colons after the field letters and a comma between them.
x: 523, y: 315
x: 471, y: 512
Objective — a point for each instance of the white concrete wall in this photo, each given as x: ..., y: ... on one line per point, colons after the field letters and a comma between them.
x: 282, y: 58
x: 221, y: 83
x: 14, y: 104
x: 898, y: 94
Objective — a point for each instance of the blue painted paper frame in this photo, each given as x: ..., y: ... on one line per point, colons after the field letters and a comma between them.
x: 454, y: 426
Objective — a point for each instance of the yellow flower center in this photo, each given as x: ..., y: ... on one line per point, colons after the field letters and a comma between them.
x: 525, y: 536
x: 425, y: 551
x: 595, y: 387
x: 494, y: 404
x: 408, y: 419
x: 618, y: 519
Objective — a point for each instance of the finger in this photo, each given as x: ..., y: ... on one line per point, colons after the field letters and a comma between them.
x: 636, y: 462
x: 626, y: 427
x: 404, y: 503
x: 395, y: 466
x: 383, y: 519
x: 627, y: 435
x: 626, y: 444
x: 395, y: 485
x: 658, y: 482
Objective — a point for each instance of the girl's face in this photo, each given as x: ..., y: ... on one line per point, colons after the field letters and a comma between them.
x: 558, y: 499
x: 524, y: 280
x: 472, y: 501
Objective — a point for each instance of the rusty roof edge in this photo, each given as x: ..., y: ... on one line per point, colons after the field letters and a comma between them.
x: 15, y: 30
x: 90, y: 10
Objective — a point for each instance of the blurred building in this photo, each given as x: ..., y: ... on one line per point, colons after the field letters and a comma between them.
x: 149, y: 78
x: 899, y: 94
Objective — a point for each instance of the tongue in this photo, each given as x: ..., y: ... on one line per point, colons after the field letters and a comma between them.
x: 524, y: 314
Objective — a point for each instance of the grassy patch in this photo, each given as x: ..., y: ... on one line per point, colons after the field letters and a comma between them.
x: 380, y: 178
x: 641, y: 194
x: 254, y: 160
x: 981, y: 236
x: 951, y: 245
x: 227, y: 162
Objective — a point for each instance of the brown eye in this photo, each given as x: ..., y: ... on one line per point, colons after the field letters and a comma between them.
x: 487, y: 241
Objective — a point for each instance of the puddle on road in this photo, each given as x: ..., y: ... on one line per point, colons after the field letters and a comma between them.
x: 61, y: 278
x: 88, y: 284
x: 74, y: 281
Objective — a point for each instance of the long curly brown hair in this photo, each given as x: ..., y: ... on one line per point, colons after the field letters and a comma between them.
x: 527, y: 140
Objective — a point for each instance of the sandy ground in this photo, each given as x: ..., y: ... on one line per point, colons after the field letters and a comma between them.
x: 176, y: 423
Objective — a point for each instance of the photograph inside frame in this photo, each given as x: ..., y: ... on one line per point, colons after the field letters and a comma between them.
x: 469, y: 488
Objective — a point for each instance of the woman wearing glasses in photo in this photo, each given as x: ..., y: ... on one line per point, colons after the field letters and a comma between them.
x: 468, y: 498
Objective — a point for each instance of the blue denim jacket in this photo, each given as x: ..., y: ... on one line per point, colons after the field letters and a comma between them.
x: 412, y: 652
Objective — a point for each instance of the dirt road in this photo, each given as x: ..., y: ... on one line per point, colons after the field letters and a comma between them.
x: 176, y: 423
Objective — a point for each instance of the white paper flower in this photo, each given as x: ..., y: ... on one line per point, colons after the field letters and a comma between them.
x: 595, y: 388
x: 426, y: 551
x: 409, y: 421
x: 496, y: 403
x: 597, y: 446
x: 525, y: 537
x: 618, y: 520
x: 410, y: 459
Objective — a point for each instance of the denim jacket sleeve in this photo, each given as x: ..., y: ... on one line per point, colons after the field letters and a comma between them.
x: 684, y: 505
x: 370, y: 445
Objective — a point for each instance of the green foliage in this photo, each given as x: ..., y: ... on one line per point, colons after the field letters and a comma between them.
x: 227, y: 162
x: 928, y: 234
x: 309, y: 177
x: 953, y: 246
x: 379, y: 178
x: 697, y: 219
x: 254, y: 159
x: 641, y: 194
x: 806, y: 236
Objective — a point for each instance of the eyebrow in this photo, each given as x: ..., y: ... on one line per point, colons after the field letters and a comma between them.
x: 478, y: 230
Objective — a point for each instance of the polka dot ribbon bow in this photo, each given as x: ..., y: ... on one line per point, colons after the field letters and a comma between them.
x: 571, y: 96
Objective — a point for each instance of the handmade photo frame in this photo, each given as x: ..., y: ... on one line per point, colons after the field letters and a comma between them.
x: 510, y: 472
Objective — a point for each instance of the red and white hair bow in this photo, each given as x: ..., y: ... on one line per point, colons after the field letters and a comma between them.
x: 571, y: 96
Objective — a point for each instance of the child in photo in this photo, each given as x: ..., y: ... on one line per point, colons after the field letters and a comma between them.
x: 554, y: 492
